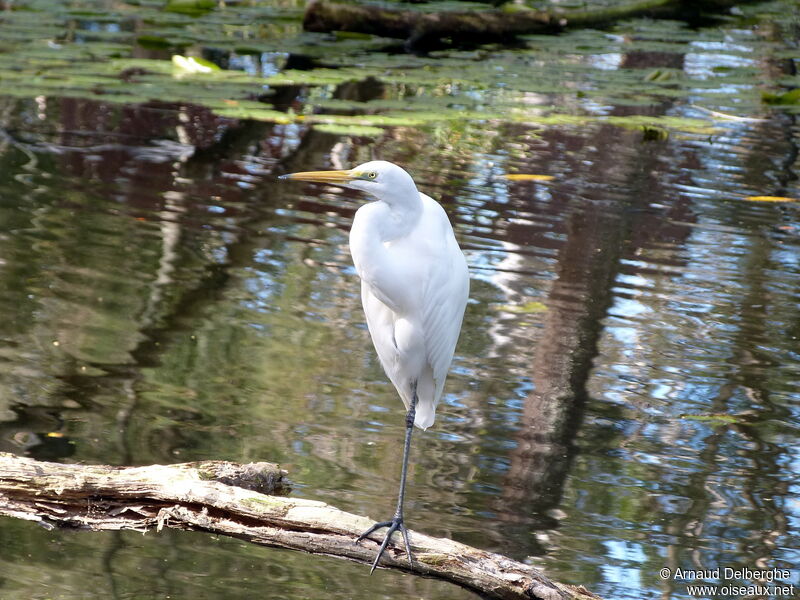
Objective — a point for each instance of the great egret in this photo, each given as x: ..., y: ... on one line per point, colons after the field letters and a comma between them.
x: 414, y: 288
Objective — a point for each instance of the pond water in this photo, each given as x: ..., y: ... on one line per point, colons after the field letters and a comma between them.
x: 625, y: 392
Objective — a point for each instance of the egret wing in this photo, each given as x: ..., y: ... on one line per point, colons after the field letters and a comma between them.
x: 443, y: 310
x: 380, y: 320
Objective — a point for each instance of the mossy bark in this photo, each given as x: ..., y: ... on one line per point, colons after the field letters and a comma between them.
x: 422, y: 29
x: 240, y: 501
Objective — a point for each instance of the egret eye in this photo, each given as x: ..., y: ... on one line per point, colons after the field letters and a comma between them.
x: 372, y: 174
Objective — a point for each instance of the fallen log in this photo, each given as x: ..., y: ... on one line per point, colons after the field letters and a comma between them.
x: 243, y: 501
x: 423, y: 29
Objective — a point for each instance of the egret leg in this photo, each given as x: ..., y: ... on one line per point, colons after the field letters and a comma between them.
x: 396, y: 524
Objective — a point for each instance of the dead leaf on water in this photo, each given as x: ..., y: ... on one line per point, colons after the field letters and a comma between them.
x: 527, y: 177
x: 770, y: 199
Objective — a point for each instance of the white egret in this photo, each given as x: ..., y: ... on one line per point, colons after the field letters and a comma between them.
x: 414, y: 288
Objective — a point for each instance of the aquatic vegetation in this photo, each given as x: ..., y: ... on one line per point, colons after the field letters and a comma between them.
x: 230, y: 59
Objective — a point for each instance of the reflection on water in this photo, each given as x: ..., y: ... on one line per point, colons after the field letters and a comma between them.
x: 625, y: 392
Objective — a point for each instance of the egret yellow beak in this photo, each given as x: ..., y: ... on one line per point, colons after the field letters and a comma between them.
x: 336, y: 177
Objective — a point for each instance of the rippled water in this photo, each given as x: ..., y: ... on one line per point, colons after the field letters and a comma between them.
x: 625, y: 392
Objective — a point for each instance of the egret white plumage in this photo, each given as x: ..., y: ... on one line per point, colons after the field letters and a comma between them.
x: 414, y: 288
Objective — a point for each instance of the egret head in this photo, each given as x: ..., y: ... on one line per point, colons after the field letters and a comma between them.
x: 379, y: 178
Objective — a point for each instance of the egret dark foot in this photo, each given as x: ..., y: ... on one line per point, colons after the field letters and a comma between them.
x: 396, y: 524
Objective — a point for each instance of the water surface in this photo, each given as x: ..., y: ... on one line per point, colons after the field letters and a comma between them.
x: 624, y: 395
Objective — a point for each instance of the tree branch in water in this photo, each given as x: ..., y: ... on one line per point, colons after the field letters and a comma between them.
x: 247, y: 502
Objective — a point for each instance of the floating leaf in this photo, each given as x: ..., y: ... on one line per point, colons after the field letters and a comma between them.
x: 660, y: 75
x: 528, y: 177
x: 192, y: 65
x: 156, y: 42
x: 524, y: 309
x: 194, y: 8
x: 770, y: 199
x: 720, y: 418
x: 790, y: 97
x: 342, y: 129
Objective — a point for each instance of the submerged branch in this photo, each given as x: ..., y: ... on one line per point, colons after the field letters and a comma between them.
x: 241, y: 501
x: 422, y: 28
